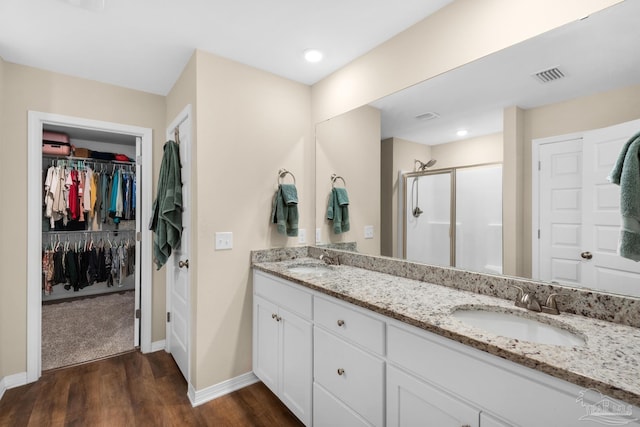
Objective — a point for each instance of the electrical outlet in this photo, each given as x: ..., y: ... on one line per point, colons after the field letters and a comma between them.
x: 318, y: 234
x: 368, y: 231
x: 224, y: 240
x: 302, y: 236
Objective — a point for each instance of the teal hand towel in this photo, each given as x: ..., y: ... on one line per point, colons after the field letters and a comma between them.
x: 284, y: 209
x: 626, y: 173
x: 166, y: 220
x: 338, y: 210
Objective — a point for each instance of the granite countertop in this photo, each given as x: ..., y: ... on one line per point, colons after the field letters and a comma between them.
x: 609, y: 361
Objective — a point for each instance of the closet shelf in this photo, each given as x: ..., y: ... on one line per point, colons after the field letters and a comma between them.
x: 87, y: 159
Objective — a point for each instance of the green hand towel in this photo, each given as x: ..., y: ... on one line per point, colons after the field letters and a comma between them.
x: 338, y: 210
x: 284, y: 210
x: 626, y: 173
x: 166, y: 221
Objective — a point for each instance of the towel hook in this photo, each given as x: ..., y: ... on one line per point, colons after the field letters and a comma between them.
x: 282, y: 173
x: 334, y: 178
x: 176, y: 134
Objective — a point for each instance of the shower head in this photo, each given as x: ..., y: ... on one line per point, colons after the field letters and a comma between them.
x: 420, y: 166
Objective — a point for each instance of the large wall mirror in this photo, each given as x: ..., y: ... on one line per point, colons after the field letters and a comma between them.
x: 574, y: 79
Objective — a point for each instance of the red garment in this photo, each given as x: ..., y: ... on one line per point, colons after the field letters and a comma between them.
x: 74, y: 202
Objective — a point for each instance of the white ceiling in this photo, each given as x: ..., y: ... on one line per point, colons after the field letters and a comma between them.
x: 596, y: 54
x: 145, y: 44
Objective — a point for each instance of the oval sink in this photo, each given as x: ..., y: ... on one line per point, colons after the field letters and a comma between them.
x: 512, y: 325
x: 309, y: 269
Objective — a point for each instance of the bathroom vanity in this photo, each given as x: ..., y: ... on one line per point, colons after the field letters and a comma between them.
x: 343, y: 345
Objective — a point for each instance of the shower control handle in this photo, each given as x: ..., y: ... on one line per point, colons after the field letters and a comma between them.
x: 586, y: 255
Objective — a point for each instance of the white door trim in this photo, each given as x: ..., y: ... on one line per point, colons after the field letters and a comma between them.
x: 185, y: 114
x: 36, y: 120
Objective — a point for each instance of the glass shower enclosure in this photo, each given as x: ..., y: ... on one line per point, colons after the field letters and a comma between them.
x: 470, y: 198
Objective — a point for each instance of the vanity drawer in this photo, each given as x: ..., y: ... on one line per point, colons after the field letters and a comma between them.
x: 290, y: 296
x: 351, y: 324
x: 353, y: 376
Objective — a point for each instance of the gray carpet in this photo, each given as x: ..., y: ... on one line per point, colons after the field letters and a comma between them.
x: 87, y: 329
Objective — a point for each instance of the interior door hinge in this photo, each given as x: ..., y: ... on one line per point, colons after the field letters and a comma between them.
x: 539, y: 165
x: 538, y: 233
x: 138, y: 236
x: 168, y: 317
x: 139, y: 160
x: 137, y: 313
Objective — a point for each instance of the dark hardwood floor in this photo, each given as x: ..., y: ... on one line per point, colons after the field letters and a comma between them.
x: 134, y: 389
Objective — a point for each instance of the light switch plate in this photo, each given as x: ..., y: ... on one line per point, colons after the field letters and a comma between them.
x: 302, y: 235
x: 224, y: 240
x: 368, y: 231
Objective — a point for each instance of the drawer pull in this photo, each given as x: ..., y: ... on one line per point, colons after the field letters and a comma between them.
x: 340, y: 322
x: 340, y: 371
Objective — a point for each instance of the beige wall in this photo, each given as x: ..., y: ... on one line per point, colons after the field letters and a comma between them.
x: 397, y: 155
x: 27, y: 89
x: 349, y: 146
x: 467, y: 152
x: 459, y: 33
x: 249, y: 124
x: 581, y: 114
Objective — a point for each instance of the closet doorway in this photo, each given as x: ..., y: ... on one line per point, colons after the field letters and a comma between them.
x: 134, y: 143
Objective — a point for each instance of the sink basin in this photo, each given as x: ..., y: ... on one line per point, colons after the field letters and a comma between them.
x: 513, y: 325
x: 310, y: 269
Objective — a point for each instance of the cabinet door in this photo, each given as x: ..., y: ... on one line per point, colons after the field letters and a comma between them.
x: 328, y: 411
x: 413, y: 403
x: 265, y: 342
x: 296, y: 364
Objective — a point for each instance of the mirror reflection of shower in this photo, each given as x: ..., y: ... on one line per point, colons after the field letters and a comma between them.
x: 418, y: 166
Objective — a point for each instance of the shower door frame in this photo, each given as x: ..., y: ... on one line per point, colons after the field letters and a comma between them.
x: 452, y: 216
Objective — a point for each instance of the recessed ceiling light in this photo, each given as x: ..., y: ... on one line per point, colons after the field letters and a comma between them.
x: 462, y: 132
x: 313, y: 55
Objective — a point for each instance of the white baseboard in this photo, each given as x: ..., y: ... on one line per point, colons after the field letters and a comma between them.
x: 198, y: 397
x: 158, y: 345
x: 15, y: 380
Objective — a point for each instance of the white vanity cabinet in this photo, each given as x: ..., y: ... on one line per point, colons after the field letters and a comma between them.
x: 283, y: 342
x: 349, y: 370
x: 360, y: 368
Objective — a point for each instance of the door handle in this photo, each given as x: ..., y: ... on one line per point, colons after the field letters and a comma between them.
x: 586, y: 255
x: 183, y: 264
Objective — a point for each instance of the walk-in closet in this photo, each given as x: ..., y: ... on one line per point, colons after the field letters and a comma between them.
x: 90, y: 203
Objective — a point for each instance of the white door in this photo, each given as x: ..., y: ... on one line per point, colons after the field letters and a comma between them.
x: 601, y: 220
x: 560, y: 235
x: 178, y: 283
x: 265, y: 342
x: 138, y: 275
x: 579, y: 212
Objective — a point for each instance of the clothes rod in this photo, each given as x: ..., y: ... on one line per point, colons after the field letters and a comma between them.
x: 87, y: 160
x: 64, y: 232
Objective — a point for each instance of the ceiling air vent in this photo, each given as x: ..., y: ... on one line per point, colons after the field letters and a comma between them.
x: 427, y: 116
x: 549, y: 75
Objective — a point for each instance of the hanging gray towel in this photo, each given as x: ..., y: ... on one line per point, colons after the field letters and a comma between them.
x: 166, y: 221
x: 284, y: 209
x: 626, y: 173
x: 338, y: 210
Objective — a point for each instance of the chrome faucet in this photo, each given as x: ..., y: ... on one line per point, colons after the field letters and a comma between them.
x: 529, y: 301
x: 329, y: 260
